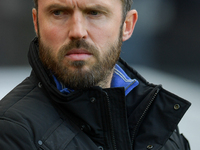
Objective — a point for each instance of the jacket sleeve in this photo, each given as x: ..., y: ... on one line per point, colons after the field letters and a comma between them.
x: 14, y: 136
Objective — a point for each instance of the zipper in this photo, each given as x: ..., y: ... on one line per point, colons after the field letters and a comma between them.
x: 111, y: 122
x: 143, y: 115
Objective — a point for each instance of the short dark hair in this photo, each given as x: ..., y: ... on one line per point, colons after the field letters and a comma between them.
x: 35, y: 3
x: 126, y: 6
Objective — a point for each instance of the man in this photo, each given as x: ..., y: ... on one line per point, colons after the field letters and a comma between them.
x: 80, y: 94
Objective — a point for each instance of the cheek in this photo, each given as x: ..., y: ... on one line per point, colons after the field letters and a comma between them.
x: 52, y: 35
x: 105, y: 36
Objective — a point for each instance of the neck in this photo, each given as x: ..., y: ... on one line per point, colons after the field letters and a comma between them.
x: 106, y: 82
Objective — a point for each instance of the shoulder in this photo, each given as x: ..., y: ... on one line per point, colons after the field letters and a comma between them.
x: 24, y: 109
x: 27, y: 99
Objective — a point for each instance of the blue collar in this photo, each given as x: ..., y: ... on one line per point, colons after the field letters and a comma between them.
x: 119, y: 79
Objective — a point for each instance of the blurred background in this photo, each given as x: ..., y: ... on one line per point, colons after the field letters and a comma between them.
x: 166, y: 43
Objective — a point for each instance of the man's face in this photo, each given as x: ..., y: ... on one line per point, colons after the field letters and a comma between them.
x: 80, y: 40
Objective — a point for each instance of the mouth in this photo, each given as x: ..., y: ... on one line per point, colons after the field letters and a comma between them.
x: 78, y: 55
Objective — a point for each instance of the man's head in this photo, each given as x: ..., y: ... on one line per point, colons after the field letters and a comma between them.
x: 80, y: 41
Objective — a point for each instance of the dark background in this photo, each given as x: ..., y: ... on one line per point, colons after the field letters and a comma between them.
x: 166, y: 37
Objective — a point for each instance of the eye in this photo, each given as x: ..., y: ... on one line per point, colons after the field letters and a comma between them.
x: 94, y: 13
x: 57, y: 12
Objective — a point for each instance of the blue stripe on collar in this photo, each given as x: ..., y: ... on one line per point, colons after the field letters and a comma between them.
x: 61, y: 88
x: 120, y: 79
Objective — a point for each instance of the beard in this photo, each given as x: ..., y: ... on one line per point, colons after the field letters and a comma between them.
x: 78, y: 77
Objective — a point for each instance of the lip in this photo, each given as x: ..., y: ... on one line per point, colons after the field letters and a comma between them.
x: 78, y: 54
x: 78, y: 51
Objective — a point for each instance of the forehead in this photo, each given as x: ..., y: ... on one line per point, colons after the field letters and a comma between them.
x: 80, y: 3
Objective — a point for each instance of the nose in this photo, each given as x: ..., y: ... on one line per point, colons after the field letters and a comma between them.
x: 77, y: 27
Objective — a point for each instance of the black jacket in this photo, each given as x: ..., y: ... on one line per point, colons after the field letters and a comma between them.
x: 35, y: 115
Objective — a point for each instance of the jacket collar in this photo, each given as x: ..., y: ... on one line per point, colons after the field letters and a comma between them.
x: 119, y: 79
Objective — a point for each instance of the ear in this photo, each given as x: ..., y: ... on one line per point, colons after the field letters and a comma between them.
x: 129, y: 24
x: 35, y: 20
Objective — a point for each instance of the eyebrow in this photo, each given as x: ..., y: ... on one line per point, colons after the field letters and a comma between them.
x: 57, y: 6
x: 92, y: 7
x: 98, y: 7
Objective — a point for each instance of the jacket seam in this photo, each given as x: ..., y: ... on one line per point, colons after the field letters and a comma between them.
x: 18, y: 101
x: 23, y: 126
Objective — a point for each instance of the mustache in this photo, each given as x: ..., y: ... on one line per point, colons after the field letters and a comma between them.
x: 77, y: 44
